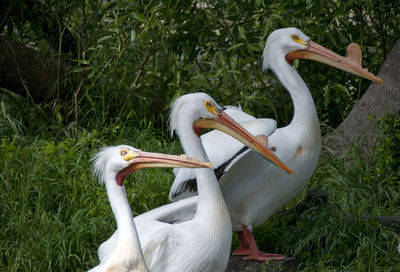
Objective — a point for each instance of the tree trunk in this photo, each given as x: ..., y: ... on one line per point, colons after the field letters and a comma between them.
x: 378, y: 100
x: 29, y: 73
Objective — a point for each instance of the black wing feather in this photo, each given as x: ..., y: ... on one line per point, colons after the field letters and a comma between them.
x: 190, y: 186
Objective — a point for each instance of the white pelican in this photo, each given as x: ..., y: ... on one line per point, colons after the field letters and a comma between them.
x: 172, y: 239
x: 254, y: 189
x: 111, y: 165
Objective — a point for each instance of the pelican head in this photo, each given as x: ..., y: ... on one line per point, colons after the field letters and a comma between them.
x: 290, y: 44
x: 190, y: 107
x: 200, y: 111
x: 116, y: 162
x: 281, y: 42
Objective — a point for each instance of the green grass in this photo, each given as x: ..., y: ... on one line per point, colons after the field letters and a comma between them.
x: 53, y: 215
x: 134, y: 58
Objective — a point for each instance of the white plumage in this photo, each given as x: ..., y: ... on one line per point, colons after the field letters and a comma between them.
x: 126, y: 255
x: 253, y: 188
x: 192, y: 235
x: 111, y: 165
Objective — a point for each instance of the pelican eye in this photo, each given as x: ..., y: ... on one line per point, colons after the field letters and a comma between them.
x: 210, y: 107
x: 297, y: 39
x: 128, y: 154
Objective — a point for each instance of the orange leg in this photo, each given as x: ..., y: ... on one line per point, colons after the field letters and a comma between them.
x: 248, y: 247
x: 243, y: 248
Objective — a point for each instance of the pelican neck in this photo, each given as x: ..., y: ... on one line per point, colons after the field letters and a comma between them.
x: 210, y: 200
x: 127, y: 234
x: 305, y: 117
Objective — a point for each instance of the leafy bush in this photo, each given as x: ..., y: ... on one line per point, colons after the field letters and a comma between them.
x: 53, y: 215
x: 134, y: 57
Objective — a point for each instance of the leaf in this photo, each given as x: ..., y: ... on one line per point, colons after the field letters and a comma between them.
x: 235, y: 46
x: 342, y: 89
x: 91, y: 74
x: 138, y: 17
x: 81, y: 69
x: 241, y: 33
x: 341, y: 37
x: 253, y: 47
x: 133, y: 35
x: 84, y: 61
x: 219, y: 71
x: 234, y: 72
x: 266, y: 27
x: 327, y: 96
x: 105, y: 38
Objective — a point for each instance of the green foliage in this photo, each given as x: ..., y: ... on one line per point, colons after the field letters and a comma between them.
x: 41, y: 230
x: 388, y: 152
x: 53, y: 215
x: 134, y: 57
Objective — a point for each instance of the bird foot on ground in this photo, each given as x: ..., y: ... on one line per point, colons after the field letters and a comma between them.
x: 263, y: 256
x: 241, y: 251
x: 259, y: 256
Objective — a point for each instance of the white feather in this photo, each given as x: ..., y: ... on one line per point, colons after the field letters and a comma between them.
x: 176, y: 241
x: 253, y: 188
x: 221, y: 147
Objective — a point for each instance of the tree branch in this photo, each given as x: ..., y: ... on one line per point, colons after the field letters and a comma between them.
x: 25, y: 71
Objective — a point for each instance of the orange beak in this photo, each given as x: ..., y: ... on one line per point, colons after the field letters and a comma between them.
x: 351, y: 63
x: 227, y: 125
x: 143, y: 160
